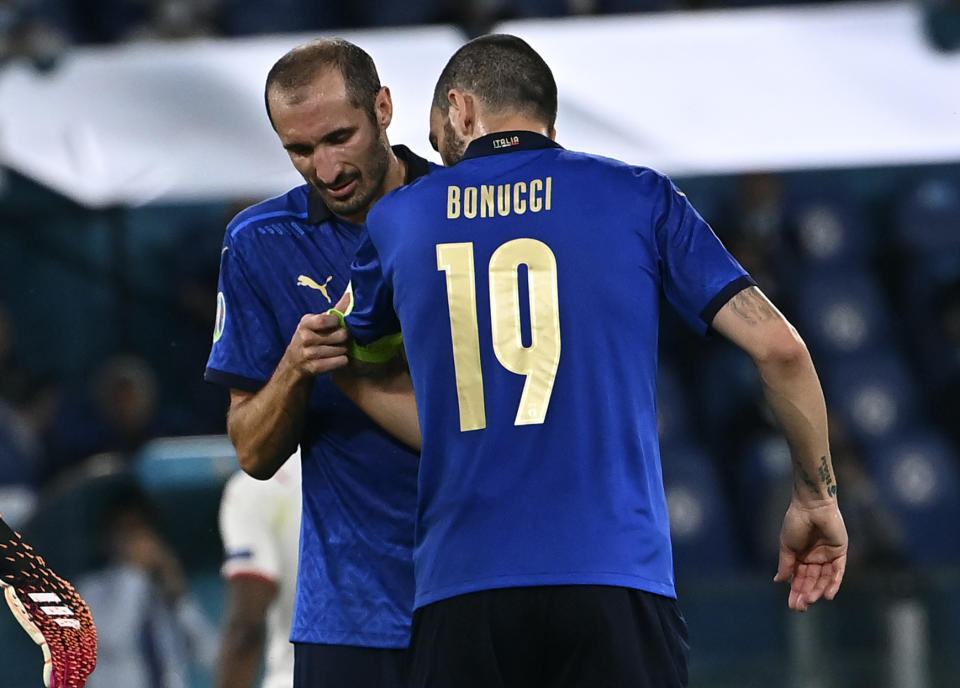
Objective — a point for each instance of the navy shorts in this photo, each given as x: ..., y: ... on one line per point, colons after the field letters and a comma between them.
x: 348, y: 666
x: 570, y: 636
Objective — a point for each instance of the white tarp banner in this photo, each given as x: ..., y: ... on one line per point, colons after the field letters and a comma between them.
x: 687, y: 93
x: 186, y: 121
x: 769, y: 88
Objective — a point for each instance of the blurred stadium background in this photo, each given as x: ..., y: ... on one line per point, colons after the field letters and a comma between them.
x: 821, y: 141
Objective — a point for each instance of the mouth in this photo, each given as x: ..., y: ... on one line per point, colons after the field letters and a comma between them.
x: 343, y: 190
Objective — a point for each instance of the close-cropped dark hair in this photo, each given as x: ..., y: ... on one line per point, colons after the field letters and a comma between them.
x: 299, y: 67
x: 505, y: 73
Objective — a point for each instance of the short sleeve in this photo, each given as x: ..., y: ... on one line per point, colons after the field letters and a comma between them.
x: 246, y: 347
x: 372, y: 317
x: 249, y: 543
x: 698, y: 273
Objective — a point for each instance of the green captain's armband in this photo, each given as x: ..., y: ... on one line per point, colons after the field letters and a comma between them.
x: 380, y: 351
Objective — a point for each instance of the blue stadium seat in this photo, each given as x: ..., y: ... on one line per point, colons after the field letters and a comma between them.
x: 875, y: 394
x: 700, y: 524
x: 829, y: 231
x: 841, y: 311
x: 918, y: 476
x: 928, y: 218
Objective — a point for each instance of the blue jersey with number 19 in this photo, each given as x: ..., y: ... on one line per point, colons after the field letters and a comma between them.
x: 527, y: 280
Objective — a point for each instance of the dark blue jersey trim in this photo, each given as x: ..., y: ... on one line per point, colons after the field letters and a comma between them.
x: 233, y: 381
x: 717, y: 302
x: 507, y: 142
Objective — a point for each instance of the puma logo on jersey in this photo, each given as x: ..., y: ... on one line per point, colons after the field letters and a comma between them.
x: 304, y: 281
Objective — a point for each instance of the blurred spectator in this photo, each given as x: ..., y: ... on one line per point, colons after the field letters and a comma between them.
x: 19, y: 447
x: 201, y: 407
x: 754, y: 226
x: 942, y: 23
x: 118, y: 414
x: 942, y: 360
x: 248, y: 17
x: 175, y: 19
x: 876, y: 536
x: 14, y: 380
x: 260, y: 528
x: 26, y: 31
x: 150, y: 630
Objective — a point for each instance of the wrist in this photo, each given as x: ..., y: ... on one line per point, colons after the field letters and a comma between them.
x: 811, y: 503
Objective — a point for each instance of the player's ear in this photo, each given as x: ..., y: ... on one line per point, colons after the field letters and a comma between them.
x: 463, y: 112
x: 383, y: 107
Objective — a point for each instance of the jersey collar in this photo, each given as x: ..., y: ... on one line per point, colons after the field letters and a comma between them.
x: 317, y: 210
x: 508, y: 142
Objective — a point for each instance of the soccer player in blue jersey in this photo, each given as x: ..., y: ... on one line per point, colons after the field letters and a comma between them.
x: 526, y: 279
x: 285, y: 261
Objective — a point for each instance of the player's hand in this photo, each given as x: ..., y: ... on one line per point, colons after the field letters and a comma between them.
x: 813, y: 552
x: 318, y: 345
x: 50, y: 611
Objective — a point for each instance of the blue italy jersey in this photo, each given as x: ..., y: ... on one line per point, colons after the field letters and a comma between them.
x: 527, y: 280
x: 281, y: 259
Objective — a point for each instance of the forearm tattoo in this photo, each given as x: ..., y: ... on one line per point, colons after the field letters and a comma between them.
x: 823, y: 474
x: 750, y: 306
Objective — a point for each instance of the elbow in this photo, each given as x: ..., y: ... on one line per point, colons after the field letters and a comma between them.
x: 254, y: 465
x: 784, y: 349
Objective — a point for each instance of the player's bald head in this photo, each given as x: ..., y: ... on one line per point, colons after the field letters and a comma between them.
x: 298, y: 69
x: 505, y: 73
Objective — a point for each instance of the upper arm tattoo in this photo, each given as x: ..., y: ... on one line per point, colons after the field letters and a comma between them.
x: 750, y: 306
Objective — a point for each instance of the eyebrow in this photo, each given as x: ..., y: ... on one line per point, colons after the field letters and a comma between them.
x: 338, y: 133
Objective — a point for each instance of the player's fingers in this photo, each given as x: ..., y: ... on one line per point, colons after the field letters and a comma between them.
x: 319, y: 322
x: 820, y: 584
x: 801, y: 587
x: 326, y: 365
x: 785, y: 567
x: 309, y: 338
x: 321, y: 351
x: 839, y: 567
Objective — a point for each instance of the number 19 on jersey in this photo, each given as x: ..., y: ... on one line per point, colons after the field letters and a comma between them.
x: 539, y: 361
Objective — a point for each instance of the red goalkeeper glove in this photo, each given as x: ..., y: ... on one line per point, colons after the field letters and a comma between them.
x: 50, y: 611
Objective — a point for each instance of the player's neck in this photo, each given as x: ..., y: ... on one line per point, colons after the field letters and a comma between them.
x: 493, y: 124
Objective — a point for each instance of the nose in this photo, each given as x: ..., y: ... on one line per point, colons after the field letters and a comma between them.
x: 327, y: 166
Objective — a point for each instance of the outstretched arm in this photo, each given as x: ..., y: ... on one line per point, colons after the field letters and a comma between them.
x: 813, y: 540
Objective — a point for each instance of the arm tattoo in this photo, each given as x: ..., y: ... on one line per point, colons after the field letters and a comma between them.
x: 750, y: 305
x: 823, y: 473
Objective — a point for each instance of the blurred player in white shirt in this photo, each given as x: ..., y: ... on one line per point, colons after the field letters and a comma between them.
x: 260, y: 528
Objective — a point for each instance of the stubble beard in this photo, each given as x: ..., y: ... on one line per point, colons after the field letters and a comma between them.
x: 454, y: 147
x: 363, y: 198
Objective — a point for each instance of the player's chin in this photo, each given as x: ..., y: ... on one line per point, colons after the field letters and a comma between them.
x: 348, y: 205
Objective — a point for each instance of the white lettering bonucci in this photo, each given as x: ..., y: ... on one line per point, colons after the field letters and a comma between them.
x: 500, y: 200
